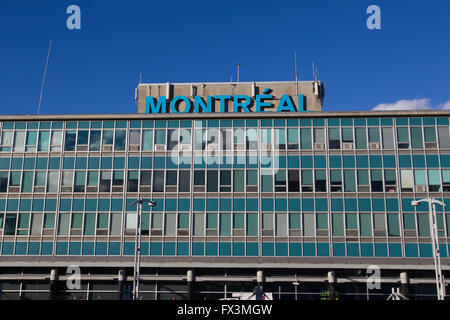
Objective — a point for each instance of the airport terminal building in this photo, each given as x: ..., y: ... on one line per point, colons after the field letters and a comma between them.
x: 254, y: 186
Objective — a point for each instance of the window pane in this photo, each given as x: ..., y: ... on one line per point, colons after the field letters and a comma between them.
x: 416, y: 138
x: 281, y: 224
x: 238, y: 182
x: 444, y: 139
x: 19, y: 141
x: 147, y: 139
x: 306, y: 140
x: 388, y: 138
x: 361, y: 138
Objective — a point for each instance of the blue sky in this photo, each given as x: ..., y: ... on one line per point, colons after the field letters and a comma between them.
x: 95, y: 69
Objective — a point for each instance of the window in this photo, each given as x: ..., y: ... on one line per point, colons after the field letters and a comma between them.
x: 403, y: 138
x: 92, y: 180
x: 434, y: 180
x: 281, y: 224
x: 56, y: 141
x: 6, y: 141
x: 173, y: 136
x: 147, y: 140
x: 31, y: 140
x: 361, y: 138
x: 135, y: 137
x: 80, y: 181
x: 363, y: 180
x: 133, y: 181
x: 199, y: 177
x: 334, y: 138
x: 319, y: 135
x: 280, y: 139
x: 446, y: 180
x: 69, y: 141
x: 238, y: 181
x: 252, y: 139
x: 118, y: 178
x: 266, y: 181
x: 444, y: 137
x: 225, y: 180
x: 406, y: 177
x: 321, y: 181
x: 307, y: 181
x: 306, y: 140
x: 227, y: 138
x: 374, y: 135
x: 212, y: 181
x: 3, y: 181
x: 388, y: 138
x: 379, y: 224
x: 292, y: 137
x: 27, y: 181
x: 267, y: 224
x: 158, y: 181
x: 308, y: 224
x: 94, y: 140
x: 119, y: 142
x: 108, y: 137
x: 416, y: 138
x: 390, y: 180
x: 349, y: 181
x: 19, y: 141
x: 185, y: 181
x: 105, y: 181
x: 293, y: 180
x: 280, y: 181
x: 376, y: 181
x: 200, y: 139
x: 52, y: 181
x: 347, y: 135
x: 336, y: 180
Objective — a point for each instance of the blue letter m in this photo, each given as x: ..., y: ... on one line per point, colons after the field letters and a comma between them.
x: 160, y: 106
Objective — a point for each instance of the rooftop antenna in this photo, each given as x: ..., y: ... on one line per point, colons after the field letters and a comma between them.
x: 238, y: 65
x: 140, y: 77
x: 296, y: 73
x: 43, y: 78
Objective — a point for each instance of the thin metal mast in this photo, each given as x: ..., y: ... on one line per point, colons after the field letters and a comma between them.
x: 43, y: 79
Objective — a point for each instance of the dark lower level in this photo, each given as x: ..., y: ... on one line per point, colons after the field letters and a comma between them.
x: 203, y: 283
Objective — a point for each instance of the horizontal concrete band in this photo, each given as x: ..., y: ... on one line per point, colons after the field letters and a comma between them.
x: 227, y: 262
x: 229, y: 115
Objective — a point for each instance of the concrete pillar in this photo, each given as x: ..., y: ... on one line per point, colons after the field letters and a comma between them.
x: 404, y: 284
x: 122, y: 279
x: 53, y: 280
x: 259, y: 285
x: 331, y: 285
x: 190, y: 284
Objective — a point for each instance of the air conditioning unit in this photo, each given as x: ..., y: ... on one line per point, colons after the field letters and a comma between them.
x: 134, y: 148
x: 39, y: 189
x: 107, y: 148
x: 430, y: 145
x: 319, y: 145
x: 374, y: 145
x: 82, y: 148
x: 14, y: 189
x: 347, y: 146
x: 160, y: 147
x: 186, y: 147
x: 239, y: 146
x: 421, y: 188
x: 66, y: 189
x: 267, y: 146
x: 91, y: 189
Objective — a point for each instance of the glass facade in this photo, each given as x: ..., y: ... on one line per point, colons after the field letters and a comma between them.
x: 255, y: 187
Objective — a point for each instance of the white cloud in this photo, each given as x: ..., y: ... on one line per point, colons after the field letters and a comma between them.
x: 416, y: 104
x: 445, y: 105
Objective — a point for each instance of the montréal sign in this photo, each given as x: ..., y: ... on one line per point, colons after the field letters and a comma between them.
x: 241, y: 103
